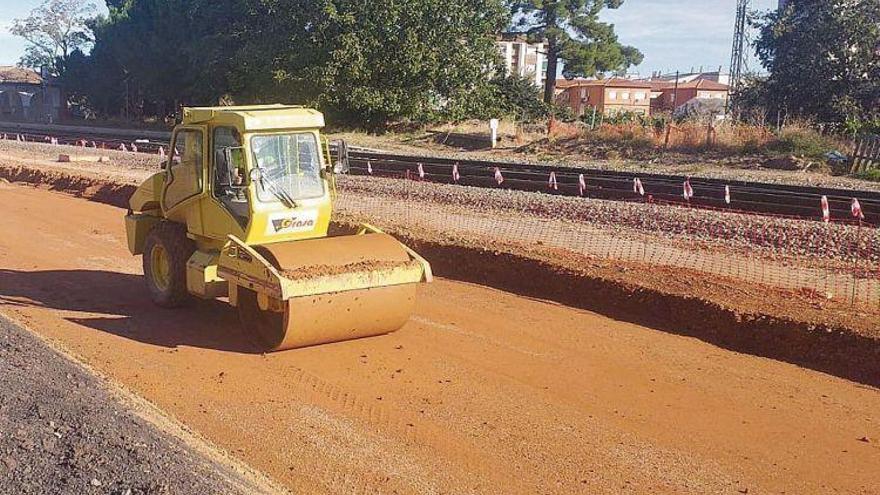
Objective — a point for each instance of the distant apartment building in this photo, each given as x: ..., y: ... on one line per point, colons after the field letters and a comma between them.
x: 607, y: 96
x: 523, y: 58
x: 659, y: 91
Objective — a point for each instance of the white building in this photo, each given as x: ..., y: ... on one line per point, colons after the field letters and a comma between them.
x: 523, y: 58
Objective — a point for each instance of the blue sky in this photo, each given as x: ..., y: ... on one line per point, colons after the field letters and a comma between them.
x: 680, y: 34
x: 673, y: 34
x: 12, y: 47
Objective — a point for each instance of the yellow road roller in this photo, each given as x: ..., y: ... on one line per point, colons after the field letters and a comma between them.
x: 241, y: 210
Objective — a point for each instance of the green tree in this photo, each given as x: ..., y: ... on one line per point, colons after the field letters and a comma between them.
x: 505, y: 95
x: 280, y: 43
x: 374, y: 62
x: 159, y: 55
x: 53, y: 31
x: 95, y: 82
x: 518, y: 97
x: 408, y: 58
x: 575, y: 35
x: 824, y: 59
x: 365, y: 63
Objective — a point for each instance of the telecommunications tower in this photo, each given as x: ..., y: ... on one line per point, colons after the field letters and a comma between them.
x: 738, y: 54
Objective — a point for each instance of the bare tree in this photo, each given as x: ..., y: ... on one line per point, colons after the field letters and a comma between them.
x: 54, y: 30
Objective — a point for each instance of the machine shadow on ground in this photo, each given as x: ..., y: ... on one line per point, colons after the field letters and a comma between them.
x: 125, y: 308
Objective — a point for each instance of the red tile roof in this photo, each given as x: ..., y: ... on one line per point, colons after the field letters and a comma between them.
x: 568, y: 83
x: 12, y: 74
x: 657, y: 85
x: 612, y: 82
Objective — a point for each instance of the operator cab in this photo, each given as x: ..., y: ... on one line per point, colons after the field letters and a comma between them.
x: 262, y: 173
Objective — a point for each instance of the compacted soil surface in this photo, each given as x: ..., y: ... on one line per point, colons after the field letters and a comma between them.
x: 483, y: 391
x: 62, y: 431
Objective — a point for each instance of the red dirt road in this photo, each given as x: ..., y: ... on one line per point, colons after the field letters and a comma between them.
x: 482, y: 392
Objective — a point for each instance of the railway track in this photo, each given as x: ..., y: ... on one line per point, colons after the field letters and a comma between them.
x: 802, y: 202
x: 753, y: 197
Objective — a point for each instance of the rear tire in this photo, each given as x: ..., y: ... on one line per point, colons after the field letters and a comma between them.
x: 166, y: 252
x: 266, y: 328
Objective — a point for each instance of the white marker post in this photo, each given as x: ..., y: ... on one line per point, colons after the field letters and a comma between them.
x: 493, y: 126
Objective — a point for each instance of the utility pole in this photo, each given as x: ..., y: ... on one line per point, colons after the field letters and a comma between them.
x: 737, y: 54
x: 669, y: 124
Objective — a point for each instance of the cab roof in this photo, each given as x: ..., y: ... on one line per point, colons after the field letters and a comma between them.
x: 256, y: 117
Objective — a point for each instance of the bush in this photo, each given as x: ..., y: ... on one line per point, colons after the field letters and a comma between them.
x: 634, y: 135
x: 503, y: 96
x: 871, y: 175
x: 629, y: 137
x: 855, y: 126
x: 563, y: 113
x: 801, y: 141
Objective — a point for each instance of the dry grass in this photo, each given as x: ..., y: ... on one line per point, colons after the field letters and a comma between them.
x: 686, y: 137
x: 720, y: 138
x: 508, y: 130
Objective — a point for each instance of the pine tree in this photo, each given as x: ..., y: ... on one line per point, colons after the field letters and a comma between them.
x: 574, y: 34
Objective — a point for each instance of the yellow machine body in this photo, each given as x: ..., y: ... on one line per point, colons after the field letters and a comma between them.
x: 253, y: 188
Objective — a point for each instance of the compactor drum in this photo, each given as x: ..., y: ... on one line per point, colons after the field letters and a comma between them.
x: 242, y: 210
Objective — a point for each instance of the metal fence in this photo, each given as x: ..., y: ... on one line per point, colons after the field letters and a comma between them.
x: 411, y: 212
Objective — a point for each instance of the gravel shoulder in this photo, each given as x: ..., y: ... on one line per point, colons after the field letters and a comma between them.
x: 64, y: 431
x: 775, y: 237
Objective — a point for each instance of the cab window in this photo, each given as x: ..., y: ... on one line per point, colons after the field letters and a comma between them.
x: 228, y: 181
x: 184, y: 178
x: 290, y: 166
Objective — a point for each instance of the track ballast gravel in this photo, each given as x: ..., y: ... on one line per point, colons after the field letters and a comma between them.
x: 776, y: 236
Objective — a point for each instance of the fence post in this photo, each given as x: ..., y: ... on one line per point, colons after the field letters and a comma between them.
x: 856, y: 264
